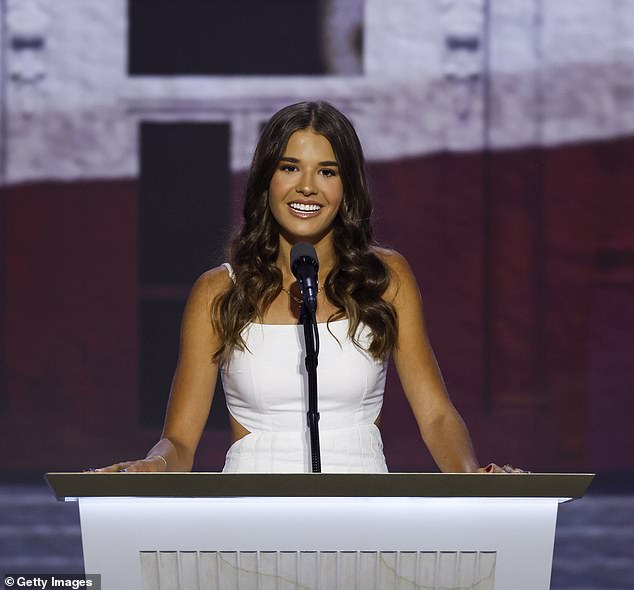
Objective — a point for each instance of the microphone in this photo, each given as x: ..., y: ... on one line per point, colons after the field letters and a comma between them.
x: 304, y: 265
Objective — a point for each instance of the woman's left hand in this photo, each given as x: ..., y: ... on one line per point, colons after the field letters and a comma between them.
x: 493, y: 468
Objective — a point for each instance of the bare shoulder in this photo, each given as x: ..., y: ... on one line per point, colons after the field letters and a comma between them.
x: 394, y: 260
x: 216, y: 279
x: 211, y: 284
x: 197, y: 330
x: 401, y: 276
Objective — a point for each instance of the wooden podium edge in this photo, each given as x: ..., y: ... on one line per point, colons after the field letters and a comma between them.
x: 380, y: 485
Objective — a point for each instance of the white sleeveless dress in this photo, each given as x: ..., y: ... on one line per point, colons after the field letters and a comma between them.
x: 266, y: 389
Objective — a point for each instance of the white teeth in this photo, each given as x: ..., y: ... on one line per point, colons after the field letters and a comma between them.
x: 304, y: 208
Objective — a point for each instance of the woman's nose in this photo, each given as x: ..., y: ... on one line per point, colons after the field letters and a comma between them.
x: 305, y: 186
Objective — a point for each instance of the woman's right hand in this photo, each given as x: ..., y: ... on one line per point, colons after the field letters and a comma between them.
x: 150, y: 464
x: 493, y: 468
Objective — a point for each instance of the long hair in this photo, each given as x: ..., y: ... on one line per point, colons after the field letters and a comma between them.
x: 359, y: 277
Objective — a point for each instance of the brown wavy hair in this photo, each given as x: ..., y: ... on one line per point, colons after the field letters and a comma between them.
x: 359, y: 278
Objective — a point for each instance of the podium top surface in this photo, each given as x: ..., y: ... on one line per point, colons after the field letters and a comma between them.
x: 380, y: 485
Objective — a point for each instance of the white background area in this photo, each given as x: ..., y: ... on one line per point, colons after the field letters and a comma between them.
x: 455, y: 75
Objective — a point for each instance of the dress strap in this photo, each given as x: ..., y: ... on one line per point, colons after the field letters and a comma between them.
x: 230, y: 271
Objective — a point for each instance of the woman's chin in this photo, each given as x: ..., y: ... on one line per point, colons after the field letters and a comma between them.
x: 305, y: 234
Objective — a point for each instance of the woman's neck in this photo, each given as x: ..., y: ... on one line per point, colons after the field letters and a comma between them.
x: 324, y: 249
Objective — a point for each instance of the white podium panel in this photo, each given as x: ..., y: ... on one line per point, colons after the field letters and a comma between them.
x: 117, y: 532
x: 364, y: 538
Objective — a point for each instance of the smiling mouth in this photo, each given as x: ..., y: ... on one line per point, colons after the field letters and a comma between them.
x: 304, y: 209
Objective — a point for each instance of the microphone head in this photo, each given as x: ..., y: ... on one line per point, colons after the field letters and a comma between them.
x: 303, y: 252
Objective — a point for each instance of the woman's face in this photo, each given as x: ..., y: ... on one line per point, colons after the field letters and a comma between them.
x: 306, y: 189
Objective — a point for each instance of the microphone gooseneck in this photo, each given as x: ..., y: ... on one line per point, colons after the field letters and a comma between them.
x: 304, y: 266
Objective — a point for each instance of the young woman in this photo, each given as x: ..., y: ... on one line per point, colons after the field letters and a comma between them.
x: 307, y: 183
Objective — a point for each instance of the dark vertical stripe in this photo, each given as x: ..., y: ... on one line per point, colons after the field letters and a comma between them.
x: 184, y: 200
x: 184, y: 223
x: 158, y: 333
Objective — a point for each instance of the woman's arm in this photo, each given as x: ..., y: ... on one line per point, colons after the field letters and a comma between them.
x: 440, y: 424
x: 193, y: 384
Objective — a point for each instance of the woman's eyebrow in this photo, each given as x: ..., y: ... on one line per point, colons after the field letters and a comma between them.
x: 296, y: 161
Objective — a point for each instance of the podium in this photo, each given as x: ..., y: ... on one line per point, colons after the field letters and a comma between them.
x: 397, y: 531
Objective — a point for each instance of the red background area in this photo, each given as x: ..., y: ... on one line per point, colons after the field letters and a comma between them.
x: 525, y: 262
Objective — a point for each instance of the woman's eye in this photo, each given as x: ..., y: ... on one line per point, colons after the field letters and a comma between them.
x: 328, y: 172
x: 288, y: 168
